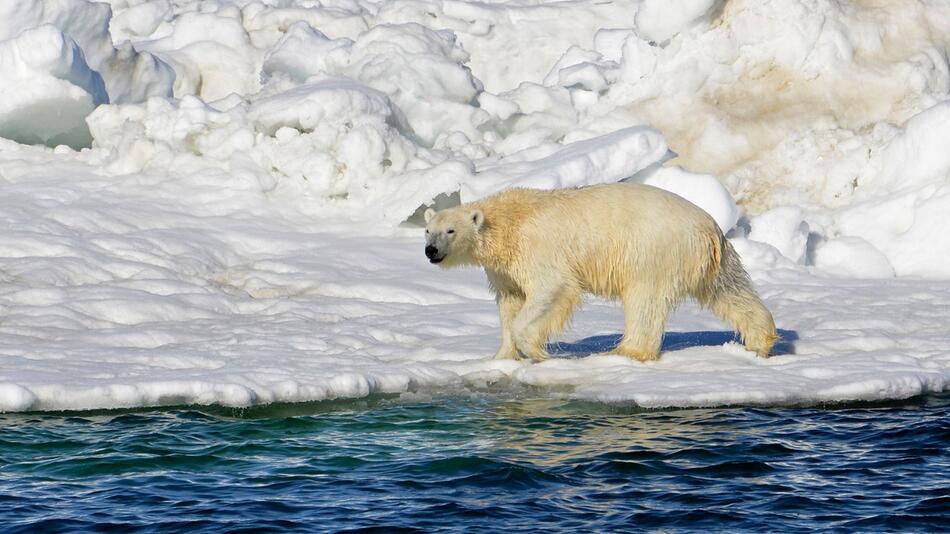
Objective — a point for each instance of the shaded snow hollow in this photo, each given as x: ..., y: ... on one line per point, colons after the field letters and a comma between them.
x: 232, y: 235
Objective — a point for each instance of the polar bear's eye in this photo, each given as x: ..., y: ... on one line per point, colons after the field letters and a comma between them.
x: 450, y: 231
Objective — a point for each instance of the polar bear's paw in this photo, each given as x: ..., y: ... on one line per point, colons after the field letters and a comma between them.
x: 636, y: 354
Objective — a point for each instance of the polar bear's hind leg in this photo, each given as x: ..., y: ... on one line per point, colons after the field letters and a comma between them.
x: 731, y: 296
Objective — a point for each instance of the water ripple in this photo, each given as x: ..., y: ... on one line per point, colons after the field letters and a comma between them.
x: 482, y: 463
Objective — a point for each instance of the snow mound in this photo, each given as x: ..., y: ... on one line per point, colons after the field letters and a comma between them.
x: 129, y: 74
x: 659, y: 20
x: 304, y: 51
x: 332, y: 141
x: 852, y: 257
x: 63, y: 89
x: 603, y: 159
x: 539, y: 31
x: 57, y: 63
x: 785, y: 229
x: 212, y: 54
x: 423, y: 72
x: 701, y: 189
x: 901, y: 211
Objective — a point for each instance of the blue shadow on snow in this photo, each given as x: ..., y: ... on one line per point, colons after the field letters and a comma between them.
x: 671, y: 341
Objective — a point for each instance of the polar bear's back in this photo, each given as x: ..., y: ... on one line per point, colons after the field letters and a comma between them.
x: 610, y: 236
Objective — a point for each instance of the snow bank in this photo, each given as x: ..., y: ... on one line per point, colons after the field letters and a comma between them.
x: 436, y: 134
x: 902, y: 211
x: 332, y: 141
x: 423, y: 72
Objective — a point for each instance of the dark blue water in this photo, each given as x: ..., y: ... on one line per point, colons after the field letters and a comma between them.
x: 480, y: 463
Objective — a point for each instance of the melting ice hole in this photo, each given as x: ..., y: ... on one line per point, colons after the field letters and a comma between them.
x: 671, y: 341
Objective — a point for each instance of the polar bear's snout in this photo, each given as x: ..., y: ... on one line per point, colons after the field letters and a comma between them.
x: 432, y: 252
x: 437, y: 246
x: 449, y: 236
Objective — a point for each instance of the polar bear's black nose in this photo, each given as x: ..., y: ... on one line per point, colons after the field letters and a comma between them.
x: 431, y: 251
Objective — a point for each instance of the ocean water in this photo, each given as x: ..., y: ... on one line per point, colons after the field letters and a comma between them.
x: 479, y: 462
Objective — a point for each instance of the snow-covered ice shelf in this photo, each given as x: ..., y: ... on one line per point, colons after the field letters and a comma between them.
x: 133, y: 291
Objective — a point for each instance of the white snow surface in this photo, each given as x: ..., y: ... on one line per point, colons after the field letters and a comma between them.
x: 226, y: 226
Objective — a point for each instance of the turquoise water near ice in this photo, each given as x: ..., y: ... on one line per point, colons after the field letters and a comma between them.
x: 479, y: 463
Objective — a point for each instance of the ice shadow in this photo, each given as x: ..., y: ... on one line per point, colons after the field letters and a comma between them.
x: 671, y: 341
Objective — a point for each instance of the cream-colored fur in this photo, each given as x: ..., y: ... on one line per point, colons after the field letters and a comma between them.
x: 542, y: 250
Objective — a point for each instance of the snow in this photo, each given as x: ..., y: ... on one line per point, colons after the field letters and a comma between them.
x: 602, y: 159
x: 63, y: 89
x: 215, y: 205
x: 128, y: 74
x: 785, y: 229
x: 904, y: 214
x: 704, y: 190
x: 659, y: 20
x: 57, y: 63
x: 853, y: 257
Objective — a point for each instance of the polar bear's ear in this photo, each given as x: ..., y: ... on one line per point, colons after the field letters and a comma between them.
x: 429, y: 214
x: 477, y: 218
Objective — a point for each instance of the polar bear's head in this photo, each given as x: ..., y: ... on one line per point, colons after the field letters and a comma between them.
x: 451, y: 233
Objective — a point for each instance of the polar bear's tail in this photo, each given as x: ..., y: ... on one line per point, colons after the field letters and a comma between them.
x: 730, y: 295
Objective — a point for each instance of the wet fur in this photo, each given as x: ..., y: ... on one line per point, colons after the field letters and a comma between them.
x: 542, y: 250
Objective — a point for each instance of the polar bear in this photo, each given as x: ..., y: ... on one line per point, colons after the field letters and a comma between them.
x: 542, y: 250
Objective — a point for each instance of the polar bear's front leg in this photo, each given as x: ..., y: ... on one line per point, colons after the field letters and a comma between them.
x: 527, y: 333
x: 645, y: 308
x: 545, y: 312
x: 509, y: 304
